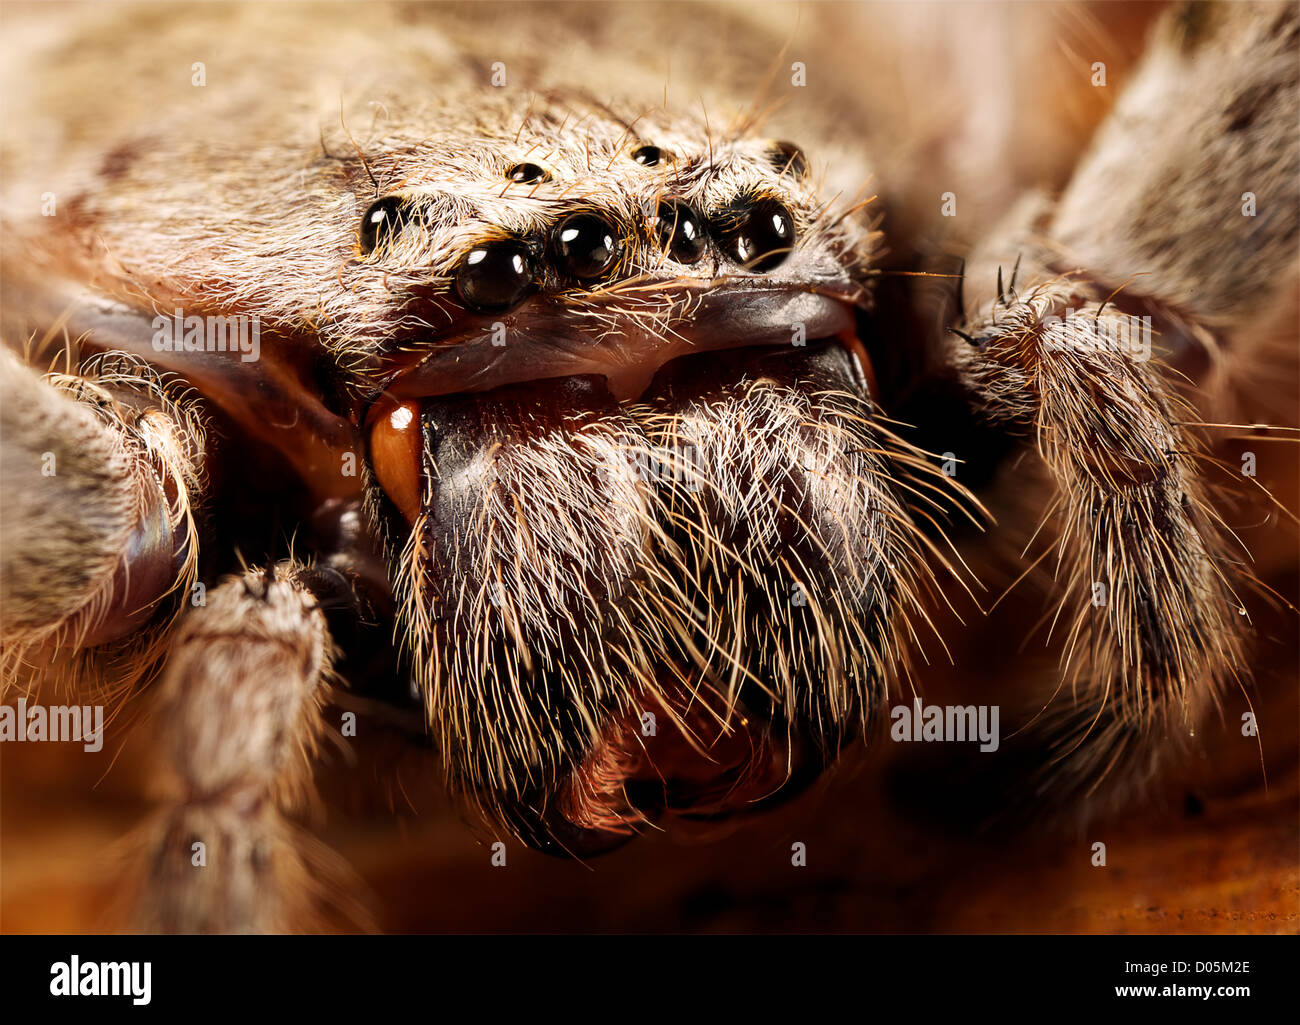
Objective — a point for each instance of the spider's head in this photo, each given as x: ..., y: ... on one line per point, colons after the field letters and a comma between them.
x: 645, y: 540
x: 579, y: 243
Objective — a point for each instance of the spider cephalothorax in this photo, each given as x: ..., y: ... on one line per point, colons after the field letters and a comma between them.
x: 620, y: 519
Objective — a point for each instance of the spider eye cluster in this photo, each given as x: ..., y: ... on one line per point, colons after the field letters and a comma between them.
x: 586, y: 247
x: 755, y: 233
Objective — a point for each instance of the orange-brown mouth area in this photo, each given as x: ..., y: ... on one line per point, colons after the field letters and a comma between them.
x: 699, y: 758
x: 624, y: 347
x: 395, y: 426
x: 684, y: 746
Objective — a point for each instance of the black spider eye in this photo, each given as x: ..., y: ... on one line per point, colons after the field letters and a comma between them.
x: 648, y: 156
x: 758, y: 235
x: 528, y: 174
x: 681, y: 232
x: 496, y: 276
x: 381, y: 222
x: 789, y: 159
x: 585, y: 245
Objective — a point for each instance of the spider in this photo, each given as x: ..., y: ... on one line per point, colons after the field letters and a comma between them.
x: 633, y: 452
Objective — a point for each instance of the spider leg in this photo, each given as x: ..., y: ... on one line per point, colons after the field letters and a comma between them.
x: 99, y: 472
x: 1129, y: 286
x: 1151, y: 623
x: 239, y: 722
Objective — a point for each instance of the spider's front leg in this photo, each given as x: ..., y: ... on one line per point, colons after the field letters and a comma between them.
x: 99, y: 473
x: 239, y: 722
x: 1170, y: 251
x: 1149, y: 618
